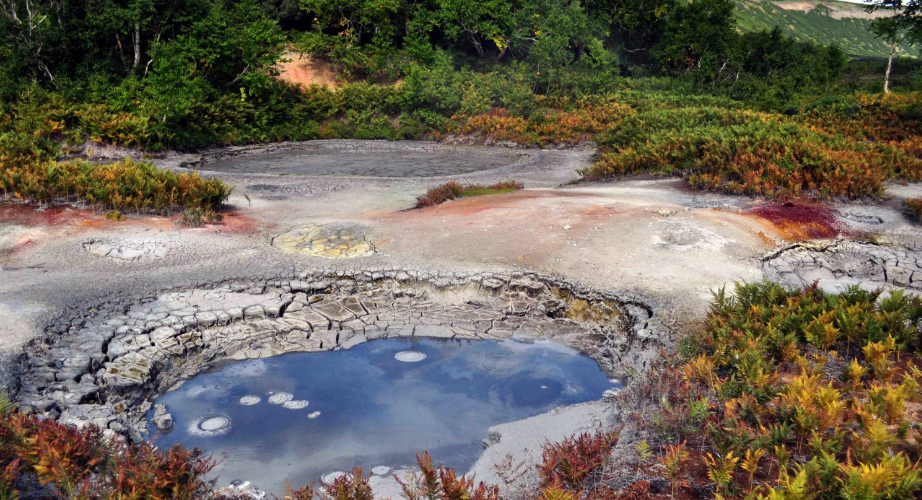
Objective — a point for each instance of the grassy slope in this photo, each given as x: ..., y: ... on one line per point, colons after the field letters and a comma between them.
x: 851, y: 33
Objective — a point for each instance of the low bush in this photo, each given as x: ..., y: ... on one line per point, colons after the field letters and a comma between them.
x: 441, y: 482
x: 454, y: 190
x: 807, y: 395
x: 915, y: 208
x: 748, y: 152
x: 196, y: 217
x: 45, y: 459
x: 28, y: 173
x: 570, y: 462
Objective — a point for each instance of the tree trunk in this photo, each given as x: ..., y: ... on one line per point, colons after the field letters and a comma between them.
x: 502, y: 53
x: 889, y: 65
x: 137, y: 46
x: 477, y: 45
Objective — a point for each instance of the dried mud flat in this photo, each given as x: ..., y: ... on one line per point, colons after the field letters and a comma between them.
x: 99, y: 317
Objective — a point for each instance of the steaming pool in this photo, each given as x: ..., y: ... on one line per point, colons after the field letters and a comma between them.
x: 300, y: 416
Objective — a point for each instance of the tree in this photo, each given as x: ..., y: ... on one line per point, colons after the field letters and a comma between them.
x: 634, y: 26
x: 895, y: 31
x: 28, y: 32
x: 698, y: 36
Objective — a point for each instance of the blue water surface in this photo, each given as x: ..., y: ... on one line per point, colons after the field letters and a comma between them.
x: 374, y: 409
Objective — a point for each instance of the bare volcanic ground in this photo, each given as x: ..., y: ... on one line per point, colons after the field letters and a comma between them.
x: 342, y: 210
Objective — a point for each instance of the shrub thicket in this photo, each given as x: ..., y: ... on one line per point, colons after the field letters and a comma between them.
x: 796, y: 393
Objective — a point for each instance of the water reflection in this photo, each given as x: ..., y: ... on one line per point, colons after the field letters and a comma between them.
x: 302, y: 415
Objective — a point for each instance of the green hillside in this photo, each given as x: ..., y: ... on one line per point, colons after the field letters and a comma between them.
x: 822, y: 22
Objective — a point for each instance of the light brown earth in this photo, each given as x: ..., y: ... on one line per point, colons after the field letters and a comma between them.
x: 302, y: 69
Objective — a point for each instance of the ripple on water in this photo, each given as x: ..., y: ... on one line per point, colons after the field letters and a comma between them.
x: 280, y: 398
x: 210, y: 426
x: 410, y: 356
x: 295, y: 404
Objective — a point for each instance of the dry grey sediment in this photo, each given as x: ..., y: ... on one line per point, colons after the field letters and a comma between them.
x: 291, y: 169
x: 106, y: 368
x: 836, y: 264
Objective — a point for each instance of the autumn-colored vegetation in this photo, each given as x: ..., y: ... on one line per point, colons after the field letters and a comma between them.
x: 794, y: 394
x: 27, y: 173
x: 45, y: 459
x: 832, y: 149
x: 454, y: 190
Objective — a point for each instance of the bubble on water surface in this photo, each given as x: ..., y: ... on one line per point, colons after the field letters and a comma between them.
x: 280, y: 397
x: 380, y: 470
x: 295, y: 404
x: 314, y: 415
x: 210, y: 426
x: 410, y: 356
x: 249, y: 400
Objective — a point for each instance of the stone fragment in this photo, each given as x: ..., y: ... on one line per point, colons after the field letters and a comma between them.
x: 334, y: 311
x: 254, y: 312
x: 162, y: 419
x: 162, y: 334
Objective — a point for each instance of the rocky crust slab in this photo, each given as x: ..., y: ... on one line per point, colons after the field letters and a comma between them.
x: 333, y: 241
x: 106, y: 368
x: 836, y: 264
x: 128, y: 250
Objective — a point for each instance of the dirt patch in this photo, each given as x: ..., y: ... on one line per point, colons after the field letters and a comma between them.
x: 304, y: 70
x: 479, y: 204
x: 800, y: 222
x: 56, y: 221
x: 32, y: 215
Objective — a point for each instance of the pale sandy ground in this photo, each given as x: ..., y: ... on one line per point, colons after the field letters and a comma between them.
x: 653, y: 238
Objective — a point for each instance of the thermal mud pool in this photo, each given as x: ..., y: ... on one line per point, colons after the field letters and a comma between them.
x: 304, y: 416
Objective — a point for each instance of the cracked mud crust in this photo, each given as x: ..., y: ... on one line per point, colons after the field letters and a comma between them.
x: 837, y: 264
x: 107, y: 368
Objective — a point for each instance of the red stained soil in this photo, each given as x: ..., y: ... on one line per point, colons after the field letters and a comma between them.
x: 237, y: 224
x: 29, y: 215
x: 478, y: 204
x: 798, y: 222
